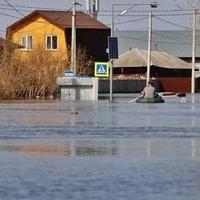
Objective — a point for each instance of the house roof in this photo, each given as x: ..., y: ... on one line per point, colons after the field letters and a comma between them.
x: 176, y: 42
x: 139, y: 57
x: 63, y: 19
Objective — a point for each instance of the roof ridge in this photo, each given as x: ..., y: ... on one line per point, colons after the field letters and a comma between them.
x: 62, y: 19
x: 48, y: 10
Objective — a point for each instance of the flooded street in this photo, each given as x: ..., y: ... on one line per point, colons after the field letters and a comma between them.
x: 100, y: 150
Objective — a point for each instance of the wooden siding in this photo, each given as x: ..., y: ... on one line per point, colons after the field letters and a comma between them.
x: 178, y: 84
x: 38, y: 27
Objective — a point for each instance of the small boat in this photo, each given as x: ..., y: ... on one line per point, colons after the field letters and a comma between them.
x: 156, y: 99
x: 167, y: 94
x: 181, y: 95
x: 171, y: 94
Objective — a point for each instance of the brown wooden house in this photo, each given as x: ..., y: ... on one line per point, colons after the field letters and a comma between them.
x: 170, y: 72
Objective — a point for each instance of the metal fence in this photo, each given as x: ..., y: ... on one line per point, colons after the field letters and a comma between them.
x: 169, y: 84
x: 122, y: 86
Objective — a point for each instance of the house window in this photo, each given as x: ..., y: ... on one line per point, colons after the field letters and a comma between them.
x: 27, y: 42
x: 51, y: 42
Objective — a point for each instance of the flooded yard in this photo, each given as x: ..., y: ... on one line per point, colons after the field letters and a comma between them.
x: 100, y: 150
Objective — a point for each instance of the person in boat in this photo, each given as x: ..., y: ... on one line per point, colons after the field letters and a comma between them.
x: 149, y: 91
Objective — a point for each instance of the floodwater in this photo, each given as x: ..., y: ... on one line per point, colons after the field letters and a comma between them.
x: 86, y: 150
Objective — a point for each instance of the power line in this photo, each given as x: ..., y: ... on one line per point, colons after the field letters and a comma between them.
x: 173, y: 12
x: 142, y: 15
x: 172, y: 23
x: 189, y: 3
x: 124, y: 22
x: 157, y: 40
x: 179, y: 6
x: 8, y: 15
x: 155, y: 11
x: 29, y: 7
x: 11, y: 9
x: 48, y: 23
x: 174, y: 33
x: 14, y: 8
x: 176, y: 36
x: 147, y: 10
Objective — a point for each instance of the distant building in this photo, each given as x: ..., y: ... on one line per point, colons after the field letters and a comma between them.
x: 52, y: 30
x: 171, y: 72
x: 176, y: 43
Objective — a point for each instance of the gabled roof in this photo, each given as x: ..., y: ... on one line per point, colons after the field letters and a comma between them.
x: 63, y: 19
x: 138, y: 58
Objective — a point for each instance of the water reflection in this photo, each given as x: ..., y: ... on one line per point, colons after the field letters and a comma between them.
x: 104, y: 151
x: 103, y: 114
x: 145, y: 148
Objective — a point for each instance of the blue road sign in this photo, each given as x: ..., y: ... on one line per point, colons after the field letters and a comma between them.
x: 101, y: 69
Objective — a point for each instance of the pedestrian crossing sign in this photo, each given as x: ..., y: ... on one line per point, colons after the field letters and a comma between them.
x: 101, y: 69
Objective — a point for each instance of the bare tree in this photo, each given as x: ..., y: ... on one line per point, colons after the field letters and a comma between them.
x: 35, y: 74
x: 84, y: 62
x: 29, y: 76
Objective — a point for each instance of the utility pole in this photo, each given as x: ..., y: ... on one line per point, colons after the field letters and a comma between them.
x: 111, y: 67
x: 73, y: 38
x: 193, y: 51
x: 149, y: 48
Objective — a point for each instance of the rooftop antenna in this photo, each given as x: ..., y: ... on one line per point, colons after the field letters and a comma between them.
x: 96, y: 5
x: 92, y: 7
x: 154, y: 3
x: 88, y: 6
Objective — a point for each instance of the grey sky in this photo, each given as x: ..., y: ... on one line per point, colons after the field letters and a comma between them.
x: 170, y: 14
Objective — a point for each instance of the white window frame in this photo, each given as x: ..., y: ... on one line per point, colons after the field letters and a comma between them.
x: 28, y: 46
x: 50, y: 48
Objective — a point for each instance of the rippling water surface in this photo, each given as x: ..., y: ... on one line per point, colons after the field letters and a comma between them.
x: 100, y: 150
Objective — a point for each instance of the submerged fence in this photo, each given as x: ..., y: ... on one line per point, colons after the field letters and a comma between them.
x: 121, y: 86
x: 169, y: 84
